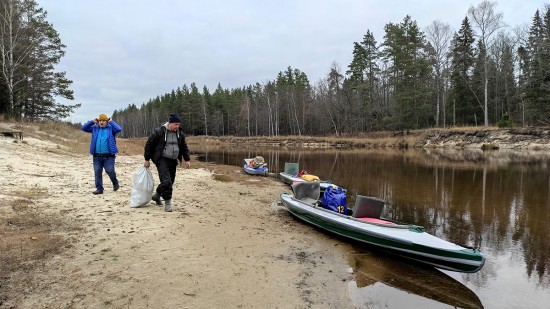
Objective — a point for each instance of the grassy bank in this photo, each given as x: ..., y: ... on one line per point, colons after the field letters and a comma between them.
x: 397, y: 139
x: 456, y: 137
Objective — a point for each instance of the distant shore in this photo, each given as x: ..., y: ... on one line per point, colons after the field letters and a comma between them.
x: 456, y: 138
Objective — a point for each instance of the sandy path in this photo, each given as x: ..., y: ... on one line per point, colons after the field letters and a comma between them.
x: 226, y: 245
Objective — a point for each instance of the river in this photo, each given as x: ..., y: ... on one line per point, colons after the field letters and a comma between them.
x: 498, y: 202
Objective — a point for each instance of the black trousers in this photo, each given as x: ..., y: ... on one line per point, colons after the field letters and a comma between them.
x: 167, y: 175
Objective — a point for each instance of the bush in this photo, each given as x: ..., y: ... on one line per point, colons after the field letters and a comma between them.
x: 505, y: 122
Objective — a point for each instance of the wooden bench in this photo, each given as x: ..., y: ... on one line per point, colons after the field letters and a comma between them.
x: 12, y: 133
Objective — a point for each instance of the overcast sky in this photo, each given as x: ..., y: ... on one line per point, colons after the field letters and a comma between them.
x: 121, y: 52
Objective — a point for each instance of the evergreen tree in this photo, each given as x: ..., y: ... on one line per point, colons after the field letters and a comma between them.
x: 463, y: 101
x: 505, y: 97
x: 195, y: 103
x: 219, y: 116
x: 364, y: 80
x: 537, y: 91
x: 405, y: 48
x: 293, y: 90
x: 358, y: 65
x: 523, y: 80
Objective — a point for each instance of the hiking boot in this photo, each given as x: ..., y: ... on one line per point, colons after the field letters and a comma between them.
x: 156, y: 198
x: 168, y: 205
x: 116, y: 187
x: 96, y: 192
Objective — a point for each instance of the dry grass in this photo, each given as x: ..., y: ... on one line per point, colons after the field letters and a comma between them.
x: 31, y: 193
x: 65, y: 135
x: 131, y: 146
x: 69, y: 136
x: 373, y: 140
x: 28, y: 241
x: 221, y: 177
x: 29, y: 238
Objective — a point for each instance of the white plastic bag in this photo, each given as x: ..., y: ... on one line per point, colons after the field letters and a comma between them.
x: 143, y: 187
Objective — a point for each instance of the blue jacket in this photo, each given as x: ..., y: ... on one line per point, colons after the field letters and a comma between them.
x: 93, y: 128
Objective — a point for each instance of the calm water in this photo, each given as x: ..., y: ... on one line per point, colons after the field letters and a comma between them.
x: 497, y: 202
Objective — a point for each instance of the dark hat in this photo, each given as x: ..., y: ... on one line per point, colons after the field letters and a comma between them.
x: 174, y: 118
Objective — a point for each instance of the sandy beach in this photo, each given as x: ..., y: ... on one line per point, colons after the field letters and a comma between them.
x: 227, y: 244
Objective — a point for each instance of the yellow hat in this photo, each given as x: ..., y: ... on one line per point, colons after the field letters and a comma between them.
x: 103, y: 117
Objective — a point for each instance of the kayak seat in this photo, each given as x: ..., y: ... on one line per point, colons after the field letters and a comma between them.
x: 292, y: 168
x: 368, y: 207
x: 377, y: 221
x: 307, y: 191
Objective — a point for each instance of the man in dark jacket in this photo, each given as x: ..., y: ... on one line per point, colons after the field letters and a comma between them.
x: 165, y: 147
x: 103, y: 148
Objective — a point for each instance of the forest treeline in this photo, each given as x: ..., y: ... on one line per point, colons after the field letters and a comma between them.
x: 485, y: 73
x: 29, y: 50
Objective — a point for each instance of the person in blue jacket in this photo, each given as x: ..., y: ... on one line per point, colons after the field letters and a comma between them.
x: 103, y: 148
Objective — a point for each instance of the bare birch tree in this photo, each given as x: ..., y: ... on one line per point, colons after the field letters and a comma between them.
x: 439, y: 36
x: 205, y: 110
x: 488, y: 22
x: 247, y: 108
x: 270, y: 110
x: 15, y: 48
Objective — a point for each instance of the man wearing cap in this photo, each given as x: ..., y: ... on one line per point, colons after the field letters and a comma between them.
x: 165, y: 147
x: 103, y: 148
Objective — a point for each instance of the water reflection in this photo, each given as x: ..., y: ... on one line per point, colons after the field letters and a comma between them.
x: 496, y: 201
x: 382, y: 281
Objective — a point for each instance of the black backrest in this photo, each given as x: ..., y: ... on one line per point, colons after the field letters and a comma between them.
x: 307, y: 190
x: 368, y: 207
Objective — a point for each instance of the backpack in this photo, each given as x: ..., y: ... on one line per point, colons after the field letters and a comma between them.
x: 259, y: 161
x: 334, y: 199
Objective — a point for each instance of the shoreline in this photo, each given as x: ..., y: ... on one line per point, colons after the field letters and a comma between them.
x: 226, y: 244
x: 456, y: 138
x: 532, y: 139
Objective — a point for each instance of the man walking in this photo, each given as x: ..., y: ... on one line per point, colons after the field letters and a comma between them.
x: 165, y: 147
x: 103, y: 148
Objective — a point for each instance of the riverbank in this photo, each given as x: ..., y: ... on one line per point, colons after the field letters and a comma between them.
x: 458, y: 138
x: 226, y: 244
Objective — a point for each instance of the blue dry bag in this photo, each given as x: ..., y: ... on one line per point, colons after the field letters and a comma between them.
x: 334, y: 199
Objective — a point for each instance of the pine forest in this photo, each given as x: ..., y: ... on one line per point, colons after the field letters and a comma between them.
x: 485, y: 73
